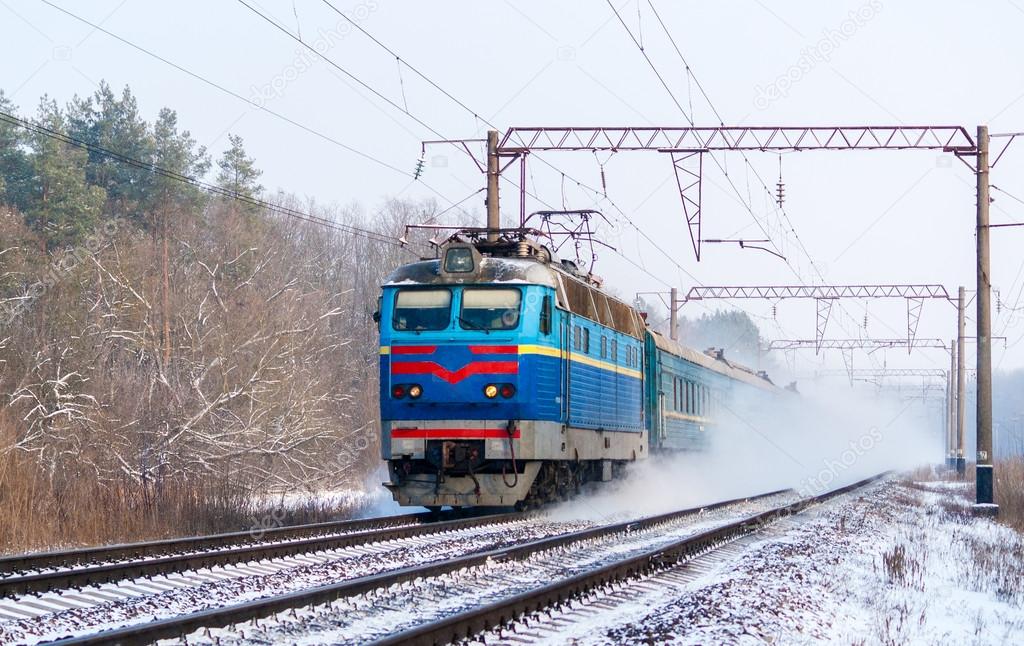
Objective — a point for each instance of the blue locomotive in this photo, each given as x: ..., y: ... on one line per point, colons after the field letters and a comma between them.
x: 509, y: 378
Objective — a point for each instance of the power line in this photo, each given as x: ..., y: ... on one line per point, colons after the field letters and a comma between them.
x: 368, y: 87
x: 640, y: 46
x: 718, y: 116
x: 402, y: 61
x: 335, y: 65
x: 217, y: 86
x: 248, y: 101
x: 194, y: 182
x: 463, y: 105
x: 689, y: 118
x: 451, y: 97
x: 477, y: 115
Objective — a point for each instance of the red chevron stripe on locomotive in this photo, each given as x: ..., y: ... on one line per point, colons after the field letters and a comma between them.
x: 454, y: 377
x: 405, y: 367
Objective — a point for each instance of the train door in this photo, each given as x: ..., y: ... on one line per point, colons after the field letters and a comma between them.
x: 660, y: 433
x: 565, y: 346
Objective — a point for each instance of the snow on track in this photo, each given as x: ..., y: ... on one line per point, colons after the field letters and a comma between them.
x: 365, y: 617
x: 894, y: 563
x: 112, y: 605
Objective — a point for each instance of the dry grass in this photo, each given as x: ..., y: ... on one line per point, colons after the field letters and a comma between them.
x: 999, y: 565
x: 42, y: 512
x: 904, y: 568
x: 1009, y: 490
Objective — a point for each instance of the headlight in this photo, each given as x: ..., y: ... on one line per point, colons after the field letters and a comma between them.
x: 415, y: 391
x: 490, y: 391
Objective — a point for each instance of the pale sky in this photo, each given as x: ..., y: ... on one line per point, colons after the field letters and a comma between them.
x: 865, y: 217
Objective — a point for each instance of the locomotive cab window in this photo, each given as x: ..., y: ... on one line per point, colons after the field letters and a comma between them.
x: 422, y: 309
x: 458, y: 260
x: 545, y: 316
x: 490, y: 309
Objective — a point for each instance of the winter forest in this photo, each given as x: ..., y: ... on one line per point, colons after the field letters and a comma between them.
x: 165, y: 353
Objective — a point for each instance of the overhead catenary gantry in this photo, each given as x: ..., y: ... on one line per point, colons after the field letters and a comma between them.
x: 877, y: 373
x: 686, y: 147
x: 851, y: 344
x: 883, y: 373
x: 825, y: 295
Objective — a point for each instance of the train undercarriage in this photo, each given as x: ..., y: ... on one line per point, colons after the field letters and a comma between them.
x: 531, y: 484
x: 525, y: 472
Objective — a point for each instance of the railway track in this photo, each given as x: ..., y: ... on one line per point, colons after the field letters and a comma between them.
x: 491, y: 616
x: 364, y: 591
x: 46, y: 571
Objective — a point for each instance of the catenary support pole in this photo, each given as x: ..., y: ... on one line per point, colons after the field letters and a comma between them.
x: 493, y: 170
x: 673, y: 316
x: 984, y: 478
x: 951, y: 408
x: 961, y: 383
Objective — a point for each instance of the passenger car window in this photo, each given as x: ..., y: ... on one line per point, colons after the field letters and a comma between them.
x: 422, y: 309
x: 490, y: 309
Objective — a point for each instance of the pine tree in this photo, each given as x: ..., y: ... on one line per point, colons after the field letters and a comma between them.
x: 238, y: 172
x: 114, y: 124
x: 177, y: 152
x: 63, y: 206
x: 171, y: 199
x: 15, y: 169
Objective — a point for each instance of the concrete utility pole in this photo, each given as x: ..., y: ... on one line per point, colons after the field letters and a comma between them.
x: 493, y: 170
x: 673, y: 316
x: 984, y: 479
x: 961, y: 383
x: 951, y: 408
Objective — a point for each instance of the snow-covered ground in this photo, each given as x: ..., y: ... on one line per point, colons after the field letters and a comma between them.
x: 899, y: 563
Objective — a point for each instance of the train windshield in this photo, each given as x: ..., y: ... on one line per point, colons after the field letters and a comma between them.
x: 422, y: 309
x: 490, y: 309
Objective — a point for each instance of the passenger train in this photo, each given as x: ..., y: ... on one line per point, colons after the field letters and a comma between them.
x: 510, y: 378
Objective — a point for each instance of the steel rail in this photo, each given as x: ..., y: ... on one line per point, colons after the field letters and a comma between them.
x: 125, y: 551
x: 467, y: 624
x: 104, y: 573
x: 176, y: 627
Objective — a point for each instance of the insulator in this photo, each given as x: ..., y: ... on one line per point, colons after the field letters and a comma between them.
x: 775, y: 310
x: 523, y: 249
x: 419, y: 167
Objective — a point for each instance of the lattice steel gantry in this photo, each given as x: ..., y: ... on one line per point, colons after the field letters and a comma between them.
x: 824, y: 295
x: 686, y: 147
